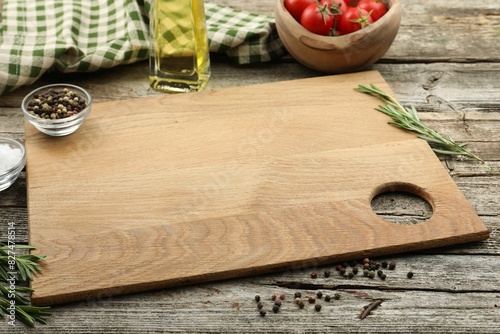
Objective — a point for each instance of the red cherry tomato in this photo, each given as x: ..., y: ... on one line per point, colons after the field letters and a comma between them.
x: 336, y: 7
x: 296, y: 7
x: 376, y: 7
x: 353, y: 20
x: 316, y: 19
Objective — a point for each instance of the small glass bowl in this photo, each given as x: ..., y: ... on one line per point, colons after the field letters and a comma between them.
x: 61, y: 126
x: 9, y: 176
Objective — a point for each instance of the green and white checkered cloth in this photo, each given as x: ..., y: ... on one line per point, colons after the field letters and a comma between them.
x: 37, y: 36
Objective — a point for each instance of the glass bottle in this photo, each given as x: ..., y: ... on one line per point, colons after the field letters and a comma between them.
x: 179, y: 58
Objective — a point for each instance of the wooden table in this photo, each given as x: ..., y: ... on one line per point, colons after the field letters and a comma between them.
x: 446, y: 61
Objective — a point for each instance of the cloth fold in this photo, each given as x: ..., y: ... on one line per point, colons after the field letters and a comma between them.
x: 37, y: 36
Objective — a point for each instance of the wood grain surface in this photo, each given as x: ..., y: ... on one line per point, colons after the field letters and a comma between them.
x: 172, y: 190
x: 445, y: 61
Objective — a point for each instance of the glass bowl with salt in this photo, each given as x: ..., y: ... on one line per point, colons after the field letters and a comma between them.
x: 12, y: 161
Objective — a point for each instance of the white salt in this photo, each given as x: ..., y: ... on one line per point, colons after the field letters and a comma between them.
x: 9, y: 157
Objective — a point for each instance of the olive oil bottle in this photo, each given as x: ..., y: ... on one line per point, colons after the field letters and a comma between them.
x: 179, y: 58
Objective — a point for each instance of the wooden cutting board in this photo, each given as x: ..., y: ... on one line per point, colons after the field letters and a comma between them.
x: 178, y: 189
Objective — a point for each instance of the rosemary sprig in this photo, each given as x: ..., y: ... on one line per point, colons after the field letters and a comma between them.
x: 26, y: 266
x: 407, y: 118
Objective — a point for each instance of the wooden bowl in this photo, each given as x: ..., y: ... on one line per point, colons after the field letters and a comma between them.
x: 338, y: 54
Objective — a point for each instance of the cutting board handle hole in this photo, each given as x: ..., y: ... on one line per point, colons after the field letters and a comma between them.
x: 402, y: 203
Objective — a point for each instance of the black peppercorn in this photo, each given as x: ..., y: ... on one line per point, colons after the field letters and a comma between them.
x: 317, y: 307
x: 276, y: 308
x: 277, y: 302
x: 262, y: 313
x: 392, y: 265
x: 301, y: 304
x: 355, y: 270
x: 260, y: 305
x: 379, y: 273
x: 319, y: 294
x: 328, y: 298
x: 297, y: 294
x: 383, y: 277
x: 384, y: 264
x: 257, y: 298
x: 350, y: 275
x: 326, y: 273
x: 409, y: 275
x: 336, y: 296
x: 56, y: 104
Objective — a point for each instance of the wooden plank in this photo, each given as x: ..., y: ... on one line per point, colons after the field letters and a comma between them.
x: 227, y: 305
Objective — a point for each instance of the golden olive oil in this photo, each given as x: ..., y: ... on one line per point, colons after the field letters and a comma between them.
x: 179, y: 55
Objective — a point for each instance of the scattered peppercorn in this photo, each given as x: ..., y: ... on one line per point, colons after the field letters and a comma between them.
x: 342, y: 271
x: 317, y: 307
x: 383, y: 277
x: 260, y: 305
x: 384, y: 264
x: 273, y: 297
x: 301, y: 304
x: 392, y: 265
x: 366, y: 272
x: 276, y: 308
x: 297, y: 294
x: 297, y: 300
x: 371, y: 274
x: 277, y: 302
x: 328, y: 298
x: 336, y: 296
x: 355, y: 270
x: 410, y: 274
x: 282, y: 296
x: 314, y: 274
x: 350, y: 275
x: 262, y: 313
x: 338, y: 267
x: 366, y: 260
x: 257, y: 298
x: 326, y: 273
x: 319, y: 294
x: 311, y: 300
x: 379, y: 273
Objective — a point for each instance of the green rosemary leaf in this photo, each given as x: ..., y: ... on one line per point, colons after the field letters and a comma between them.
x: 407, y: 118
x: 440, y: 151
x: 26, y: 266
x: 428, y: 139
x: 412, y: 112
